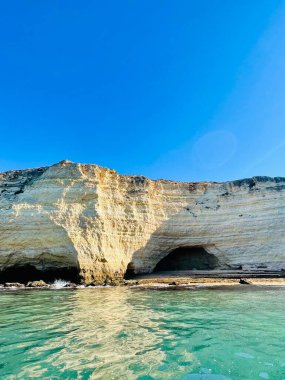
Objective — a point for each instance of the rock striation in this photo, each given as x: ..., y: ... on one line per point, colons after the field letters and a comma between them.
x: 72, y: 220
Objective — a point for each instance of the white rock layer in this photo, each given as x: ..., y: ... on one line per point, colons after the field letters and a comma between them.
x: 91, y: 218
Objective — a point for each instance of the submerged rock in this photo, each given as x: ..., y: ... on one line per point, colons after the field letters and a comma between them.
x: 88, y: 223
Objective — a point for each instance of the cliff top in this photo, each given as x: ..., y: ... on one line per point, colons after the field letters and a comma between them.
x: 251, y: 182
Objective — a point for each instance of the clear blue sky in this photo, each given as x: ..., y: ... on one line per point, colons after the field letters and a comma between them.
x: 180, y: 89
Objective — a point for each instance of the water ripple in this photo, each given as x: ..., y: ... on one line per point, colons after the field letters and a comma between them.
x: 120, y: 333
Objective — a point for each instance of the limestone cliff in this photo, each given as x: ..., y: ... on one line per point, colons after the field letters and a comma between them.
x: 91, y: 220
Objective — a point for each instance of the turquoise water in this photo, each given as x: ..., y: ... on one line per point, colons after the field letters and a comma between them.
x: 122, y: 333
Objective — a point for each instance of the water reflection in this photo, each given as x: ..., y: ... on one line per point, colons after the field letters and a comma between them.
x: 100, y: 333
x: 121, y: 333
x: 111, y: 335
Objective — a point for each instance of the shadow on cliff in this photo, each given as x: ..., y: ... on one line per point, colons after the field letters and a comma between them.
x: 185, y: 242
x: 43, y: 262
x: 181, y: 243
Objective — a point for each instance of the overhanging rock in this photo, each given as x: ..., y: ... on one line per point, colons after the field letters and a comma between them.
x: 91, y: 221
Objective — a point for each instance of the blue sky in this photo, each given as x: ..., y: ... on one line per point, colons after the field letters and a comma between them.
x: 186, y: 90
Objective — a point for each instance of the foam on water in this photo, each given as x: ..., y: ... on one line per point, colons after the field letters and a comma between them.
x: 59, y: 284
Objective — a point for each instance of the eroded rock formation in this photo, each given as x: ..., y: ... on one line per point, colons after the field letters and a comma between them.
x: 71, y: 219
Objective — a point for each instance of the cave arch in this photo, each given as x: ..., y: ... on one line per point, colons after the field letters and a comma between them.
x: 187, y: 258
x: 27, y: 272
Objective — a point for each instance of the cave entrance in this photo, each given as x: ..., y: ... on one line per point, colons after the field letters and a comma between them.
x: 187, y: 258
x: 26, y: 273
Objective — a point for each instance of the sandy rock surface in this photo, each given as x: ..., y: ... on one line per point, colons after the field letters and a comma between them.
x: 91, y: 219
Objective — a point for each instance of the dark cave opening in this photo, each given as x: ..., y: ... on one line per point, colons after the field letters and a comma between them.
x: 26, y: 273
x: 130, y: 272
x: 187, y: 258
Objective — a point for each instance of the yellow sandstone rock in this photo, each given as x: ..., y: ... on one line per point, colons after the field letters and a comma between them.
x: 90, y: 219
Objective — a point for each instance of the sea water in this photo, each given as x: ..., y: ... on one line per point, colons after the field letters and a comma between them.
x: 123, y: 333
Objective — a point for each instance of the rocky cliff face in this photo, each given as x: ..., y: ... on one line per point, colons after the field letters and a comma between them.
x: 71, y: 219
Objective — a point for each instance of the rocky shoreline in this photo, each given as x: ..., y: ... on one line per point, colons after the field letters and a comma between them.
x: 167, y: 282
